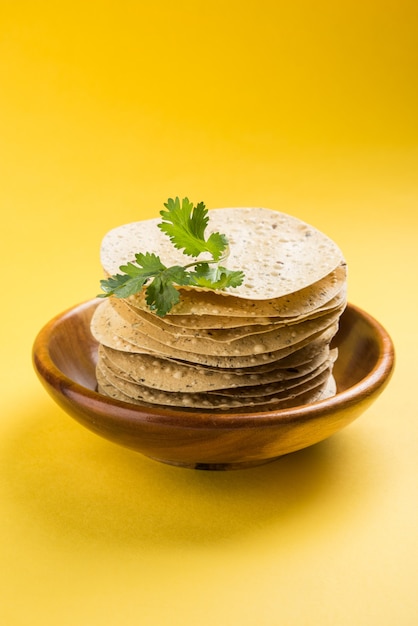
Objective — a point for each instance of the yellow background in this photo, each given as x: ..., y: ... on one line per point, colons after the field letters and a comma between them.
x: 108, y: 108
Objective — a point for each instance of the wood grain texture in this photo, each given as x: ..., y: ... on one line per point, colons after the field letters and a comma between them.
x: 65, y: 354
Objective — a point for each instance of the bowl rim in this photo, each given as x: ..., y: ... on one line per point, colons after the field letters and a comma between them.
x: 50, y: 374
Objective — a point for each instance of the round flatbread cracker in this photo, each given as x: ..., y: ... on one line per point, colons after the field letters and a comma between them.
x: 160, y: 327
x: 211, y: 401
x: 290, y: 254
x: 262, y: 346
x: 112, y: 317
x: 165, y: 375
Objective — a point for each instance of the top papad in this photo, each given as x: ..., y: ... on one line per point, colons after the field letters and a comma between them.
x: 278, y: 253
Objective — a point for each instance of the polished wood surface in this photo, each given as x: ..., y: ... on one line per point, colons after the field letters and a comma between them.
x: 64, y: 356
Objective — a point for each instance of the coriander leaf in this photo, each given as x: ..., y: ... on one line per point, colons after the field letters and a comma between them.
x: 147, y: 265
x: 121, y: 286
x: 216, y: 244
x: 161, y: 295
x: 215, y: 277
x: 134, y: 278
x: 199, y: 220
x: 186, y: 216
x: 185, y: 225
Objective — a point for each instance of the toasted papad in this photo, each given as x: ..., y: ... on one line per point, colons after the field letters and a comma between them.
x: 278, y: 253
x: 110, y: 319
x: 166, y: 375
x: 120, y: 389
x: 292, y: 357
x: 326, y: 390
x: 262, y: 346
x: 219, y: 303
x: 160, y: 327
x: 308, y: 379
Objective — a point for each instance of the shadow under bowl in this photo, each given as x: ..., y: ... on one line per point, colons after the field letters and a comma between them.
x: 65, y: 356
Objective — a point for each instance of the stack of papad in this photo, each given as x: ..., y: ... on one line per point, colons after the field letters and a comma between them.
x: 264, y: 345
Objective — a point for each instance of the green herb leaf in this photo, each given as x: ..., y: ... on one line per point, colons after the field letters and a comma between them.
x: 134, y: 278
x: 161, y: 295
x: 185, y: 225
x: 147, y: 265
x: 216, y: 276
x: 120, y: 285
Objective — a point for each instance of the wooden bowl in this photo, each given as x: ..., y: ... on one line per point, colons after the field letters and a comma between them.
x: 64, y: 357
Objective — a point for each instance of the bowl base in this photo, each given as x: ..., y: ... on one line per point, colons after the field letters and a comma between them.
x: 217, y: 467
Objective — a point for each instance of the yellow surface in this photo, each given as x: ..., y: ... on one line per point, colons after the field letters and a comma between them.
x: 106, y: 109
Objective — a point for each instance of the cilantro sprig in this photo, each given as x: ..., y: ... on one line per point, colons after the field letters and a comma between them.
x: 185, y: 225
